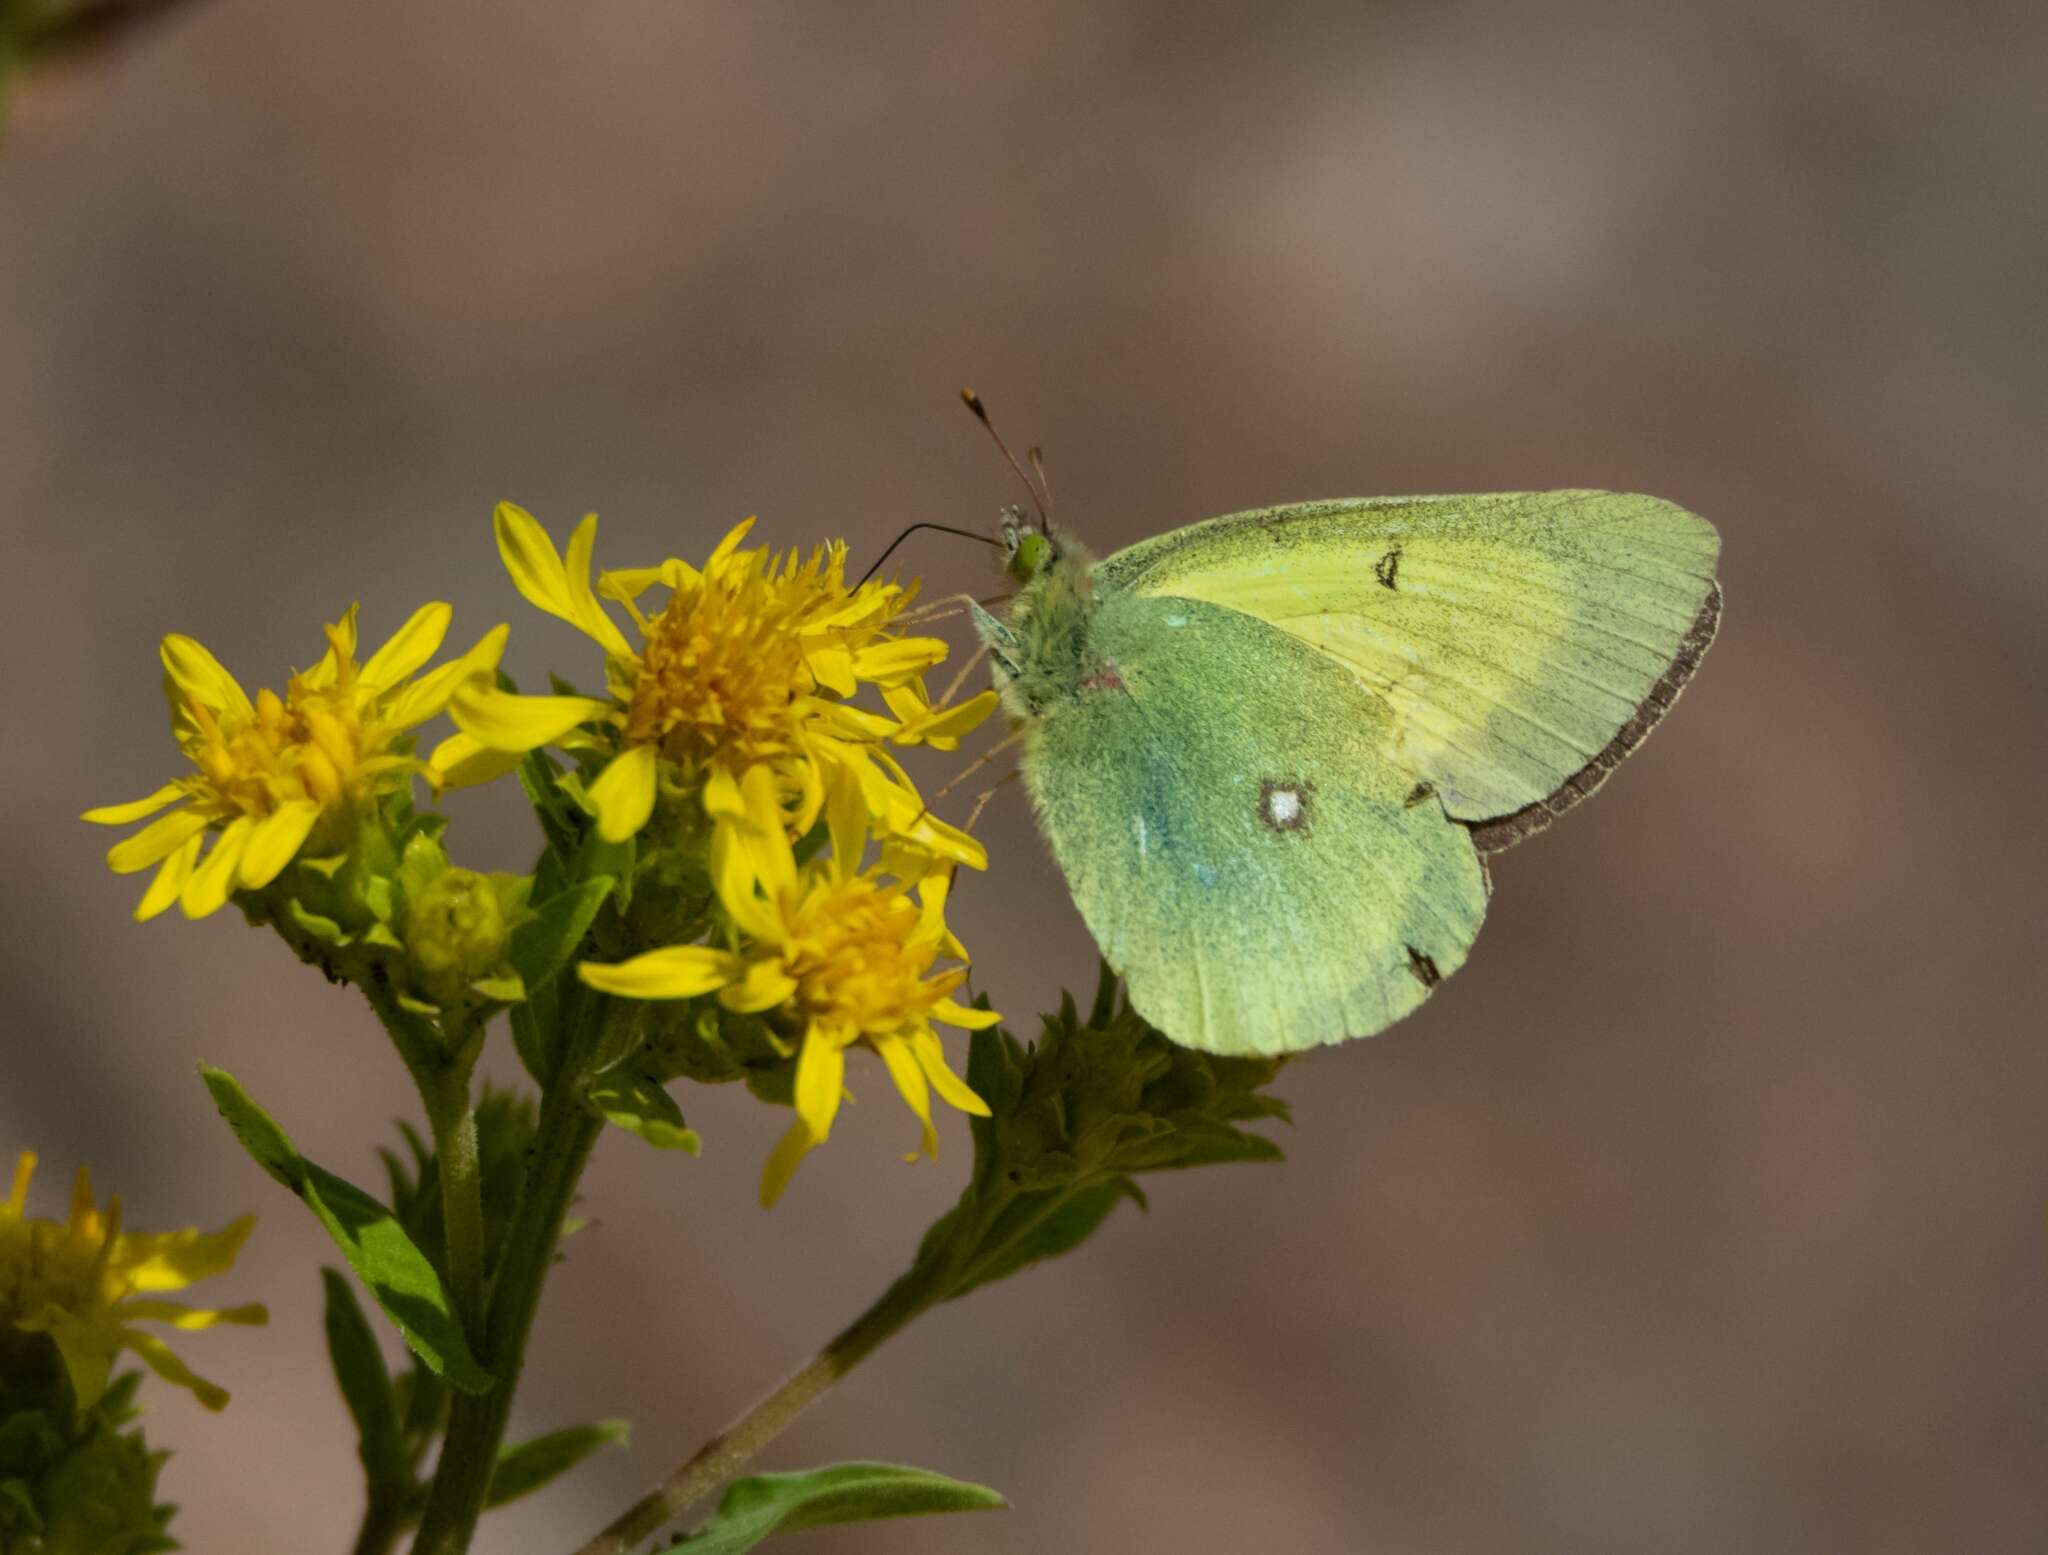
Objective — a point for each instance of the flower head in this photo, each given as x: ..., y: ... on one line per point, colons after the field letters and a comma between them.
x: 273, y: 772
x: 86, y: 1282
x: 841, y: 955
x: 746, y: 665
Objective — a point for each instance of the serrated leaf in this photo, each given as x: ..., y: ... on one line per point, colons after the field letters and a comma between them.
x: 366, y: 1388
x: 641, y: 1107
x: 390, y: 1265
x: 761, y: 1504
x: 525, y: 1468
x: 543, y: 944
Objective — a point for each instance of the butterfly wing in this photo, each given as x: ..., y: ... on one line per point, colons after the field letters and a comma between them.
x: 1522, y: 643
x: 1246, y: 858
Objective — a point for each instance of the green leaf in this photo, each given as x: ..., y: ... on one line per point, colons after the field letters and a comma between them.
x: 370, y: 1237
x: 366, y: 1388
x: 543, y: 944
x: 761, y: 1504
x: 1030, y: 1230
x: 641, y: 1107
x: 530, y: 1465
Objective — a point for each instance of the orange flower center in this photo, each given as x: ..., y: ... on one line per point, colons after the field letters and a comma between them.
x: 852, y: 947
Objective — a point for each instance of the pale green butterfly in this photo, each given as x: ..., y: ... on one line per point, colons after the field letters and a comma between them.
x: 1272, y: 751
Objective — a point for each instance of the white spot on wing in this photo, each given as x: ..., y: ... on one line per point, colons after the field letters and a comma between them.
x: 1176, y: 620
x: 1139, y: 826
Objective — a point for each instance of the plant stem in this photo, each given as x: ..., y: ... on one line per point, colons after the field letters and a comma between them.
x: 725, y: 1452
x: 462, y: 1192
x: 382, y: 1524
x: 476, y: 1425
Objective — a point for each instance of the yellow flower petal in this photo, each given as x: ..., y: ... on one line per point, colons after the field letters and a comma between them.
x: 462, y: 761
x: 206, y: 890
x: 673, y: 972
x: 909, y: 1078
x: 589, y: 614
x: 832, y: 663
x: 820, y: 1079
x: 623, y: 794
x: 155, y: 842
x: 408, y: 648
x: 190, y: 1319
x: 768, y: 845
x: 201, y: 677
x: 170, y: 880
x: 508, y: 722
x: 274, y: 843
x: 783, y: 1160
x: 135, y: 809
x: 157, y: 1356
x: 894, y: 661
x: 932, y: 1059
x: 429, y: 695
x: 960, y: 1015
x: 734, y: 878
x: 846, y: 816
x: 172, y: 1260
x: 728, y: 545
x: 764, y: 986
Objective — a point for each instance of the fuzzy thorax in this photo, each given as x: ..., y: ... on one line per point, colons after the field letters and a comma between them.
x: 1041, y: 652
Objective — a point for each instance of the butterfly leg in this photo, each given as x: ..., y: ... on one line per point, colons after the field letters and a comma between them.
x: 959, y: 680
x: 981, y: 761
x: 945, y: 607
x: 981, y: 799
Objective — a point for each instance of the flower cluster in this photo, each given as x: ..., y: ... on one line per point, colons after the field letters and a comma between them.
x: 753, y: 707
x: 839, y: 953
x: 85, y: 1283
x: 278, y: 774
x: 747, y: 665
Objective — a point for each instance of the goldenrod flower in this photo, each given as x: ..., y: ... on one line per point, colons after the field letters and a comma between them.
x: 273, y: 770
x: 746, y: 665
x: 842, y: 954
x: 84, y: 1283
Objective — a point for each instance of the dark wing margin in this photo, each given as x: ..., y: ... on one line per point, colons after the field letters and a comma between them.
x: 1520, y: 825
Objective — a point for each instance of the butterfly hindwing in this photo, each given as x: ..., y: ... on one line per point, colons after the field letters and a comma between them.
x: 1262, y: 877
x: 1519, y: 643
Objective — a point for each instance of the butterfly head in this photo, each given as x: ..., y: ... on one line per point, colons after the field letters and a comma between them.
x: 1027, y: 549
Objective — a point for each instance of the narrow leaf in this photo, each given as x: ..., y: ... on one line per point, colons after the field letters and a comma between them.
x: 376, y: 1246
x: 543, y: 944
x: 366, y: 1389
x: 530, y: 1465
x: 762, y: 1504
x: 639, y: 1106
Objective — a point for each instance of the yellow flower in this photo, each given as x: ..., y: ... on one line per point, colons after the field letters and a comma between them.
x: 845, y: 955
x: 85, y: 1283
x: 746, y: 665
x: 272, y: 771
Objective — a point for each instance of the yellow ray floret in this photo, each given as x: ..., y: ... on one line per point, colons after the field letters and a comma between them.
x: 273, y: 771
x: 843, y: 955
x: 746, y: 664
x: 85, y: 1283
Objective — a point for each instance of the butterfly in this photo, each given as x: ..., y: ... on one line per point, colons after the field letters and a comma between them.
x: 1272, y: 752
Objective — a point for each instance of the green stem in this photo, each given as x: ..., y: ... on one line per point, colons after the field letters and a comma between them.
x: 476, y: 1425
x: 382, y: 1524
x: 923, y: 1287
x: 462, y: 1191
x: 725, y: 1452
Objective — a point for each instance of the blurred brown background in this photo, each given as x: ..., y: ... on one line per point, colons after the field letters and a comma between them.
x: 1703, y: 1212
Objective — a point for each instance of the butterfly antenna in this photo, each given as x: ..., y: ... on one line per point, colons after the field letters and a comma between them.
x: 973, y: 402
x: 946, y: 529
x: 1037, y: 458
